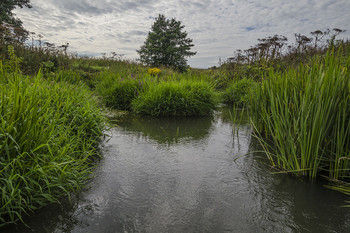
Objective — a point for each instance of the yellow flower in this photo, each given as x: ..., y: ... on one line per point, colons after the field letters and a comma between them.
x: 153, y: 71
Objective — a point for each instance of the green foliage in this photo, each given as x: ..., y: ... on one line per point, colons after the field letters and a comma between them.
x: 118, y: 92
x: 238, y: 92
x: 48, y: 134
x: 166, y: 45
x: 304, y: 114
x: 176, y: 98
x: 76, y: 77
x: 274, y: 53
x: 49, y: 59
x: 12, y: 64
x: 11, y: 28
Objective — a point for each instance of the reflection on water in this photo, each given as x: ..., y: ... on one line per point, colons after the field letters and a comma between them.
x: 168, y: 130
x: 182, y: 175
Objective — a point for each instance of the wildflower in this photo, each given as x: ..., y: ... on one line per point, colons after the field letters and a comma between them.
x: 153, y: 71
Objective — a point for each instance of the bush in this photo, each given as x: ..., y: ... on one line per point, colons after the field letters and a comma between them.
x: 238, y: 92
x: 48, y: 134
x: 176, y: 98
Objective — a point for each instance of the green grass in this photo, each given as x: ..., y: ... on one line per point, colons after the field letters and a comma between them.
x: 176, y: 98
x: 303, y: 118
x: 49, y: 133
x: 239, y: 92
x: 167, y: 94
x: 118, y: 92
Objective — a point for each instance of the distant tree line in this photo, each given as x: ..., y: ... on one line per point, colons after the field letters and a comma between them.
x: 275, y: 47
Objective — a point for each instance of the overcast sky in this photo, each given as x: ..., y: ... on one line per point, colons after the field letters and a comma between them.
x: 217, y: 27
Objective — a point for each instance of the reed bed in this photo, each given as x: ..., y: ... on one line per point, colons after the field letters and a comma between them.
x: 302, y: 117
x: 49, y: 133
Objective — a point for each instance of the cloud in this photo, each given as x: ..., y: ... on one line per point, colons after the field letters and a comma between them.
x: 217, y: 28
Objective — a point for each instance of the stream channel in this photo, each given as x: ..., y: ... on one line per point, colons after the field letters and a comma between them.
x: 200, y: 174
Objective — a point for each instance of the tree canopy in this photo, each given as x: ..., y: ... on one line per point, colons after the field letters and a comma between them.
x: 166, y: 44
x: 10, y: 26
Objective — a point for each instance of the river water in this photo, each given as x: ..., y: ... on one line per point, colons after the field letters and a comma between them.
x: 190, y: 175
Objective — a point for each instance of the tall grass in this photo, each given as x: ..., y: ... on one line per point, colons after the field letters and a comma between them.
x: 48, y: 134
x: 303, y: 118
x: 238, y: 92
x: 118, y: 92
x: 176, y: 98
x: 165, y: 94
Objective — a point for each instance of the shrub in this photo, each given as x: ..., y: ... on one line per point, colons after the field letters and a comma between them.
x: 238, y: 92
x: 176, y: 98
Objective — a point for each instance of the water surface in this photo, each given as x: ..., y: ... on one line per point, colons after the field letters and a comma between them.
x: 191, y: 175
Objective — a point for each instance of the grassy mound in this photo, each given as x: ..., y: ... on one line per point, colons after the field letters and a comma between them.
x: 117, y: 92
x: 176, y: 98
x: 238, y: 93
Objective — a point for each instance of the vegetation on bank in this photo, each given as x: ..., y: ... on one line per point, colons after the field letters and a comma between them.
x: 238, y: 92
x: 118, y: 92
x: 303, y: 118
x: 49, y: 135
x: 176, y: 98
x: 300, y: 108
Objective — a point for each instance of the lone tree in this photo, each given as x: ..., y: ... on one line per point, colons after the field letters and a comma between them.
x: 11, y: 28
x: 166, y: 45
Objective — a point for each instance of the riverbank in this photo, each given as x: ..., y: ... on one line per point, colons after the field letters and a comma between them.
x: 50, y: 133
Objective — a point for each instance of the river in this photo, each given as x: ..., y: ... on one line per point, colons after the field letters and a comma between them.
x: 202, y: 174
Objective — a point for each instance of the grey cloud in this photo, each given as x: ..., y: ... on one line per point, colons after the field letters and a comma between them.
x: 195, y: 31
x: 84, y: 7
x: 126, y: 40
x: 217, y: 27
x: 92, y: 7
x: 136, y: 32
x: 128, y: 36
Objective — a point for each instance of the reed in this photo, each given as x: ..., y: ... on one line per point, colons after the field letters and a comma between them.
x: 302, y: 118
x: 49, y: 133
